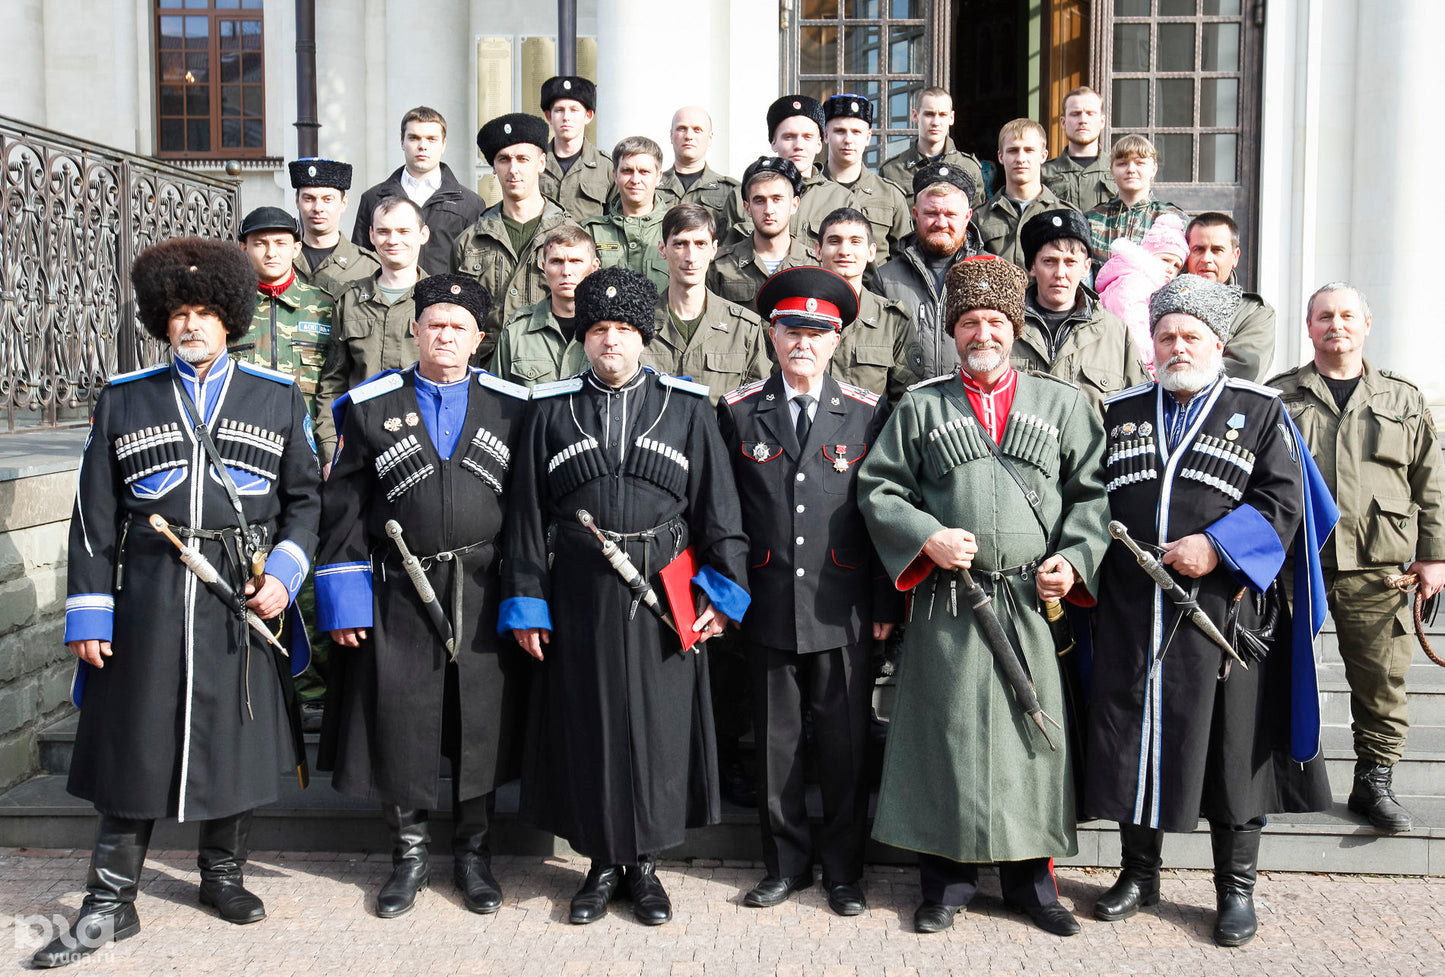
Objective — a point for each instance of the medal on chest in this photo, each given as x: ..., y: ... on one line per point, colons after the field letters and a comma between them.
x: 839, y: 457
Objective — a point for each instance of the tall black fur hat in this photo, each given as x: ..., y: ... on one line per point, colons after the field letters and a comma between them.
x: 1053, y: 225
x: 791, y: 105
x: 848, y: 106
x: 316, y: 172
x: 453, y: 290
x: 569, y: 86
x: 617, y: 295
x: 774, y: 164
x: 194, y: 271
x: 508, y: 130
x: 927, y: 176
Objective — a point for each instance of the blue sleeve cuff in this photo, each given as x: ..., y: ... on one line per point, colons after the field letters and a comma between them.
x: 725, y: 595
x: 343, y: 596
x: 520, y: 613
x: 1249, y: 547
x: 89, y: 617
x: 288, y: 564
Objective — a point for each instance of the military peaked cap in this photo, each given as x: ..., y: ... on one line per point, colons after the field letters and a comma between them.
x: 808, y: 297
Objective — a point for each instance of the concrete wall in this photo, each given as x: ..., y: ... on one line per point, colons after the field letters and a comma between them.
x: 35, y: 666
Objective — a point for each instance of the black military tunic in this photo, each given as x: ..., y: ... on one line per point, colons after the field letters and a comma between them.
x: 1169, y: 740
x: 186, y: 718
x: 385, y: 724
x: 621, y: 754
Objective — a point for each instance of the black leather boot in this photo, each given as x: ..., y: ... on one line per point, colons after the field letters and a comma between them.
x: 1236, y: 855
x: 602, y: 885
x: 108, y: 912
x: 650, y: 903
x: 1373, y: 795
x: 411, y: 869
x: 221, y: 856
x: 472, y: 855
x: 1138, y: 883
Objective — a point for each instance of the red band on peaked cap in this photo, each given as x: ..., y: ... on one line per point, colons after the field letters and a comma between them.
x: 805, y: 307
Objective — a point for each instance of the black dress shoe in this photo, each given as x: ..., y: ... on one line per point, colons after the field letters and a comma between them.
x: 601, y: 886
x: 474, y: 879
x: 232, y: 901
x: 847, y: 899
x: 775, y: 888
x: 1052, y: 918
x: 97, y: 925
x: 650, y: 903
x: 934, y: 917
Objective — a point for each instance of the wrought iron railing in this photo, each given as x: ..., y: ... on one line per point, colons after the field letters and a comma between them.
x: 73, y: 215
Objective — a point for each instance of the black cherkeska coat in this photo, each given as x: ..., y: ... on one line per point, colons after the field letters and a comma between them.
x: 621, y: 755
x: 385, y: 704
x: 186, y: 718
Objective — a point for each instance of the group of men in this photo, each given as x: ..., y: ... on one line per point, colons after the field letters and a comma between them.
x: 526, y: 571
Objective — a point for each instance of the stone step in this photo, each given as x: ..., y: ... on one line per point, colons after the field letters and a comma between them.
x: 1418, y: 774
x: 40, y: 814
x: 1426, y: 707
x: 1423, y: 740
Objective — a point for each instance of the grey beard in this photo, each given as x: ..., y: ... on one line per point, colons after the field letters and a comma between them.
x: 1192, y: 379
x: 982, y: 361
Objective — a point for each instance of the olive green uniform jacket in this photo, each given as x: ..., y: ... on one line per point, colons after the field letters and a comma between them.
x: 631, y: 242
x: 721, y: 195
x: 370, y: 336
x: 1000, y: 221
x: 875, y: 350
x: 290, y: 333
x: 727, y: 350
x: 1094, y: 351
x: 821, y: 196
x: 532, y: 348
x: 345, y: 264
x: 1249, y: 351
x: 900, y: 170
x: 887, y: 209
x: 484, y: 252
x: 737, y: 274
x: 583, y: 191
x: 1082, y: 187
x: 965, y: 774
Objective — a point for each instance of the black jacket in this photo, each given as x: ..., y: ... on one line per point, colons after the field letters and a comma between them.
x: 449, y: 211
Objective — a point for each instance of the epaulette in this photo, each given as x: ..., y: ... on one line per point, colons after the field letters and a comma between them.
x: 1282, y: 374
x: 932, y: 380
x: 745, y: 314
x: 1399, y: 379
x: 1133, y: 391
x: 493, y: 382
x: 859, y: 393
x: 265, y: 372
x: 120, y: 378
x: 569, y: 386
x: 678, y: 383
x: 1235, y: 383
x: 376, y: 386
x: 743, y: 392
x: 1049, y: 376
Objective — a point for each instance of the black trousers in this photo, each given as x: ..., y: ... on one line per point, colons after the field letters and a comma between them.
x: 1028, y: 882
x: 471, y: 816
x: 835, y: 687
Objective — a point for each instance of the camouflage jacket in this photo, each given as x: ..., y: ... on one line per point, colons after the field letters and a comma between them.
x: 290, y: 333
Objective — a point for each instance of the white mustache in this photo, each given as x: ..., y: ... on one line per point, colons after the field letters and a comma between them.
x: 981, y: 346
x: 193, y: 337
x: 801, y: 355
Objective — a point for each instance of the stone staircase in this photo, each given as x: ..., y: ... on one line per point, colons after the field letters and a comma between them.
x: 39, y: 813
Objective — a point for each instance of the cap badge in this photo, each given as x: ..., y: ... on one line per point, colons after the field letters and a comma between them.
x: 943, y: 171
x: 853, y: 106
x: 811, y: 305
x: 983, y: 286
x: 1058, y: 222
x: 310, y: 171
x: 835, y: 402
x: 567, y: 85
x: 412, y: 420
x: 771, y: 397
x: 797, y: 105
x: 612, y: 291
x: 507, y: 128
x: 456, y: 290
x: 392, y: 424
x: 760, y: 452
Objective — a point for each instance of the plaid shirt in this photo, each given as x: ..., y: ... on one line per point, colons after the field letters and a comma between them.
x: 1112, y: 220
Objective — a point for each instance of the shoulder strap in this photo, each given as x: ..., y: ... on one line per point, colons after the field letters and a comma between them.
x: 1032, y: 497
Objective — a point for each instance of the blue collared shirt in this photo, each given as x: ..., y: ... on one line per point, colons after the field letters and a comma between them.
x: 443, y: 410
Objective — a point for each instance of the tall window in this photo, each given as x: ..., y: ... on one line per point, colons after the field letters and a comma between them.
x: 875, y: 48
x: 210, y: 94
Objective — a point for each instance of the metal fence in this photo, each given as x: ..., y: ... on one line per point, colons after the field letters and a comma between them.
x: 73, y: 215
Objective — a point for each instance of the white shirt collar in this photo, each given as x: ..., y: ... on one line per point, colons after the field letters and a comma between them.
x: 420, y: 190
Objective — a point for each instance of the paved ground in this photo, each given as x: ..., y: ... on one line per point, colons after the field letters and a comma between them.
x: 320, y: 923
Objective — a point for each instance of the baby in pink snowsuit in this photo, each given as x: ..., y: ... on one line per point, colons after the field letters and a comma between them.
x: 1136, y: 271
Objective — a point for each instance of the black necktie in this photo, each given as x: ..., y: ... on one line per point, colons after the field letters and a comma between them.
x: 805, y: 423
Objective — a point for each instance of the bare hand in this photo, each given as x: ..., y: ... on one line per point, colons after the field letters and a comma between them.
x: 349, y: 637
x: 90, y: 651
x: 881, y: 631
x: 951, y: 548
x: 1431, y: 574
x: 1055, y: 578
x: 272, y: 599
x: 709, y: 624
x: 532, y: 640
x: 1193, y: 556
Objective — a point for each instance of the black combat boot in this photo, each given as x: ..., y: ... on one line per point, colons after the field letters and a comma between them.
x: 1236, y: 856
x: 1373, y: 795
x: 221, y: 856
x: 411, y: 869
x: 472, y: 855
x: 650, y: 903
x: 1138, y: 883
x: 108, y: 912
x: 602, y: 885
